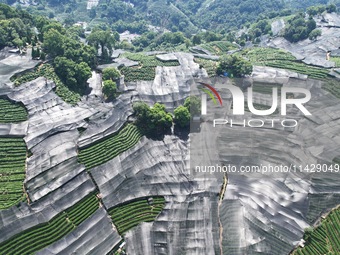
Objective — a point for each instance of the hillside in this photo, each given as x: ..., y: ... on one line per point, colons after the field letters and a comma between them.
x: 100, y: 140
x: 175, y: 15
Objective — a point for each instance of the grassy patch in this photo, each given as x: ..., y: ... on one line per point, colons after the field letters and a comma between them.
x: 129, y: 215
x: 332, y: 86
x: 219, y: 47
x: 149, y: 61
x: 282, y: 59
x: 336, y: 60
x: 12, y: 112
x: 12, y: 171
x: 40, y: 236
x: 47, y: 71
x: 209, y: 65
x: 110, y: 147
x: 323, y: 239
x: 146, y: 69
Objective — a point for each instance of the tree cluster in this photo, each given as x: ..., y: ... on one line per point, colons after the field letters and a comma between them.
x: 299, y: 28
x: 184, y: 113
x: 234, y: 66
x: 153, y: 121
x: 105, y: 39
x: 110, y: 76
x: 73, y: 60
x: 155, y: 40
x: 225, y: 15
x: 15, y: 27
x: 260, y: 28
x: 73, y: 74
x: 319, y: 9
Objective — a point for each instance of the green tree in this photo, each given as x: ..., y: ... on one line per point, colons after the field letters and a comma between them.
x: 74, y: 75
x: 65, y: 69
x: 54, y: 43
x: 42, y: 55
x: 298, y: 28
x: 111, y: 73
x: 331, y: 8
x: 103, y: 38
x: 314, y: 34
x: 154, y: 121
x: 92, y: 13
x: 160, y: 120
x: 196, y: 39
x: 141, y: 111
x: 315, y: 10
x: 234, y: 66
x: 308, y: 234
x: 109, y: 89
x: 83, y: 73
x: 182, y: 116
x: 193, y: 104
x: 33, y: 53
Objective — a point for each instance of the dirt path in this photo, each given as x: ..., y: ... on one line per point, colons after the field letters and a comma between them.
x: 221, y: 196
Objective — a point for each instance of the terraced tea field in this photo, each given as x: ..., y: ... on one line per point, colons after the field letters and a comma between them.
x: 324, y: 239
x: 11, y: 112
x: 281, y: 59
x: 138, y: 73
x: 36, y: 238
x: 219, y: 47
x: 12, y: 171
x: 209, y: 65
x: 46, y: 70
x: 130, y: 214
x: 149, y: 61
x: 110, y: 147
x: 146, y: 69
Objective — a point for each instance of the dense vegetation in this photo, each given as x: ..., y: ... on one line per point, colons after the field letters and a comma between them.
x: 153, y: 121
x: 109, y: 147
x: 299, y: 28
x: 234, y: 66
x: 209, y: 65
x: 110, y: 76
x: 105, y: 40
x: 324, y: 239
x: 182, y: 116
x: 12, y: 171
x: 130, y: 214
x: 46, y: 70
x: 15, y: 27
x: 184, y: 113
x: 42, y: 235
x: 72, y: 59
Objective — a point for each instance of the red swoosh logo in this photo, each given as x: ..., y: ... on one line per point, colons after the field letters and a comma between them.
x: 213, y: 90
